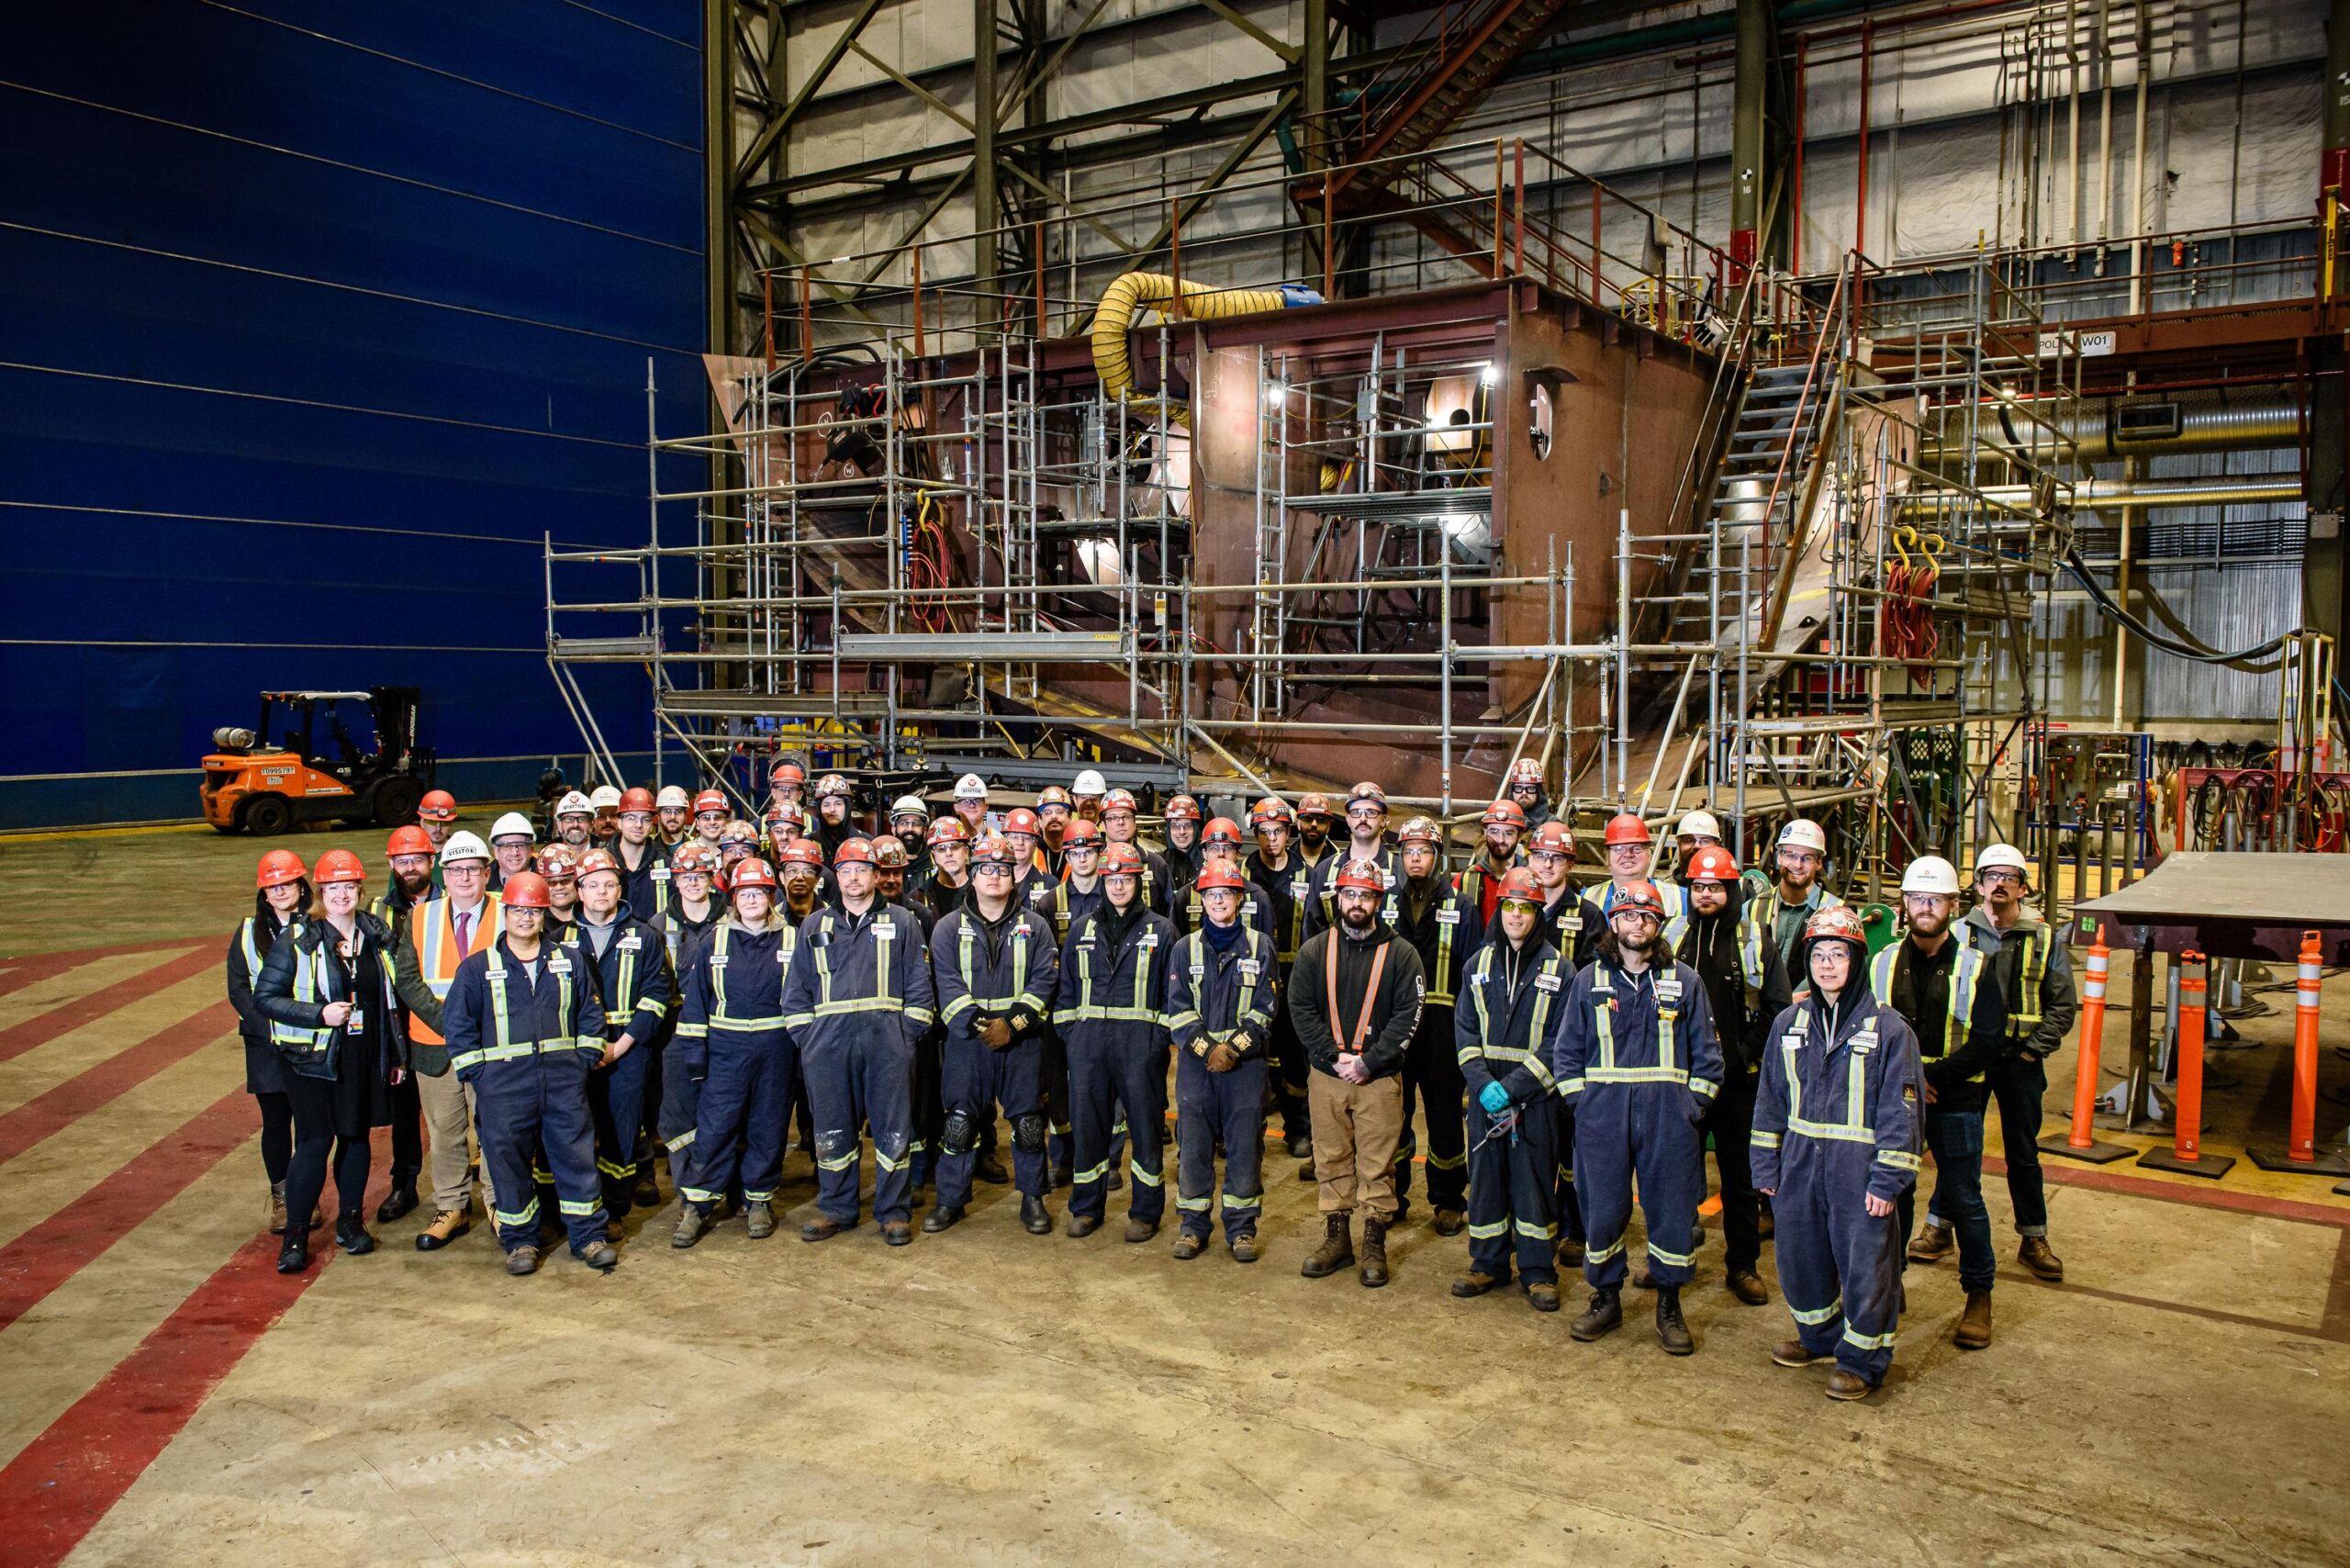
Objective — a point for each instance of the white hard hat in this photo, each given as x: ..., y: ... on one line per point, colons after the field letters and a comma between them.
x: 464, y: 846
x: 1698, y: 825
x: 970, y: 786
x: 1931, y: 874
x: 511, y: 825
x: 673, y: 799
x: 1997, y: 855
x: 605, y: 795
x: 910, y: 806
x: 1089, y: 782
x: 574, y: 803
x: 1803, y: 834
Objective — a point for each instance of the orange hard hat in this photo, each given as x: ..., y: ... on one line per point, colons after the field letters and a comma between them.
x: 525, y: 890
x: 1121, y: 861
x: 948, y: 830
x: 1081, y: 834
x: 339, y: 866
x: 1625, y: 827
x: 409, y: 840
x: 1504, y: 814
x: 696, y: 857
x: 1554, y: 837
x: 710, y: 800
x: 1518, y: 883
x: 597, y: 860
x: 1711, y: 864
x: 1640, y: 895
x: 1272, y: 808
x: 637, y: 800
x: 1315, y: 805
x: 1183, y: 808
x: 438, y: 806
x: 854, y: 852
x: 803, y: 852
x: 750, y: 872
x: 1223, y: 833
x: 1219, y: 873
x: 1362, y: 876
x: 279, y: 866
x: 1020, y: 819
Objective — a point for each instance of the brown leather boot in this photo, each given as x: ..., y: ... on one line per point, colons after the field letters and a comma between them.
x: 1337, y: 1248
x: 2034, y: 1253
x: 1374, y: 1253
x: 1932, y: 1245
x: 1974, y: 1323
x: 273, y: 1212
x: 1475, y: 1282
x: 1747, y: 1286
x: 1842, y: 1384
x: 1792, y: 1353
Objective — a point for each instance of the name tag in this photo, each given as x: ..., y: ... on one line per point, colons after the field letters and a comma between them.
x: 1447, y: 917
x: 1248, y: 968
x: 660, y: 872
x: 1297, y: 886
x: 558, y: 965
x: 1668, y: 988
x: 1550, y: 982
x: 1865, y: 1041
x: 1791, y: 1042
x: 1571, y: 921
x: 496, y: 971
x: 884, y: 932
x: 783, y: 953
x: 1085, y: 943
x: 720, y: 961
x: 631, y: 943
x: 1147, y: 939
x: 1199, y: 972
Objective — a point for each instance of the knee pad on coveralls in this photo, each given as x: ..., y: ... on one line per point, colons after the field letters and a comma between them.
x: 1028, y: 1134
x: 960, y: 1134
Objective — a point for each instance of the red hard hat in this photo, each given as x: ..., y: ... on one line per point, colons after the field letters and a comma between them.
x: 1519, y: 883
x: 409, y: 840
x: 1625, y: 827
x: 948, y: 830
x: 597, y: 860
x: 695, y: 857
x: 1504, y: 814
x: 787, y: 773
x: 1121, y: 861
x: 279, y: 866
x: 1525, y: 771
x: 438, y: 806
x: 1080, y: 834
x: 1361, y: 876
x: 558, y: 863
x: 1367, y: 791
x: 525, y: 890
x: 854, y: 852
x: 802, y: 852
x: 1315, y: 805
x: 339, y: 866
x: 1272, y: 808
x: 1711, y: 864
x: 1554, y: 837
x: 994, y: 850
x: 1637, y: 895
x: 831, y: 784
x: 710, y: 800
x: 637, y: 800
x: 1117, y: 801
x: 1836, y: 923
x: 1223, y: 831
x: 889, y: 854
x: 1219, y: 873
x: 787, y: 815
x: 750, y: 872
x: 1020, y: 819
x: 1183, y: 808
x: 1421, y: 830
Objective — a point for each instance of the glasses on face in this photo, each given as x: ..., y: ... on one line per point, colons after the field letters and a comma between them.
x: 1548, y: 860
x: 2002, y: 877
x: 992, y: 869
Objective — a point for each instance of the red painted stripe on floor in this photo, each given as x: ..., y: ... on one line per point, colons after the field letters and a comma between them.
x: 63, y: 1483
x: 83, y: 1093
x: 55, y: 1251
x: 34, y: 967
x: 2208, y: 1198
x: 41, y: 1028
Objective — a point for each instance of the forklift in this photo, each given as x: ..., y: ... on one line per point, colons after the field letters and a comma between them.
x: 348, y: 756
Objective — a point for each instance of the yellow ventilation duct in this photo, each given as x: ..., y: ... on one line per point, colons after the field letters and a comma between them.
x: 1134, y: 293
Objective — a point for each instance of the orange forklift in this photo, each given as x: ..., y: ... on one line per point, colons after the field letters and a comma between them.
x: 320, y: 757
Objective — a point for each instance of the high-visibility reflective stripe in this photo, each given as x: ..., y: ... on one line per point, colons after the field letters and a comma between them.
x: 678, y: 1144
x: 886, y: 1163
x: 1900, y: 1160
x: 1966, y: 972
x: 1499, y: 1229
x: 252, y: 949
x: 1853, y: 1129
x: 1444, y: 1162
x: 1678, y: 1260
x: 577, y: 1210
x: 1868, y: 1341
x: 522, y: 1216
x: 1546, y: 1232
x: 1766, y: 1140
x: 864, y: 1004
x: 309, y: 969
x: 1601, y: 1254
x: 1195, y: 1205
x: 1233, y: 1202
x: 617, y: 1171
x: 1091, y: 1173
x: 1829, y: 1314
x: 436, y: 936
x: 1149, y: 1178
x: 698, y: 1194
x: 752, y: 1196
x: 839, y: 1161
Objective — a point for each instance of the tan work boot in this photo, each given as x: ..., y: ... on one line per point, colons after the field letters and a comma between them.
x: 273, y: 1211
x: 446, y: 1227
x: 1932, y: 1245
x: 1842, y: 1384
x: 1337, y: 1248
x: 1373, y: 1274
x: 1974, y: 1323
x: 2034, y: 1253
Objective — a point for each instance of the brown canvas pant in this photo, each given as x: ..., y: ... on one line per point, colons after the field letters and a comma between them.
x: 1356, y: 1129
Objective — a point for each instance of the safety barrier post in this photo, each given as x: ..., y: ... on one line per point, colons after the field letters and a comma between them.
x: 2185, y: 1154
x: 2081, y: 1142
x: 2300, y: 1151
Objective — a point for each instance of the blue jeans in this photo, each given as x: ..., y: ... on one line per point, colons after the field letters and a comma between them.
x: 1955, y: 1138
x: 2020, y: 1083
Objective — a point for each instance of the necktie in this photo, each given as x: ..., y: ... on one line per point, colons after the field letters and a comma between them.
x: 465, y: 933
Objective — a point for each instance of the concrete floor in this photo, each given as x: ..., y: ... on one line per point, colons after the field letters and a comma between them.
x: 994, y: 1398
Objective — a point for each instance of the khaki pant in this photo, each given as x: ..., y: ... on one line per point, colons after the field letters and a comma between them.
x: 449, y: 1123
x: 1356, y: 1129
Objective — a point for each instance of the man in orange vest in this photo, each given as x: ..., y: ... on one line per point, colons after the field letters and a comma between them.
x: 442, y: 932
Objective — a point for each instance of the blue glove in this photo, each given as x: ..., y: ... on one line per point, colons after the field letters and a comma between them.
x: 1493, y: 1098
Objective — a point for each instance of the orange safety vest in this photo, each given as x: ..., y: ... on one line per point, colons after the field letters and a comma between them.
x: 433, y: 937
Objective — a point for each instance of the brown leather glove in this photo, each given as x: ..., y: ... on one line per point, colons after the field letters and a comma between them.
x: 995, y: 1033
x: 1222, y: 1058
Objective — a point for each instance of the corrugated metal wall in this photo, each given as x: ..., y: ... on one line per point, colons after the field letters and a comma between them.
x: 313, y: 320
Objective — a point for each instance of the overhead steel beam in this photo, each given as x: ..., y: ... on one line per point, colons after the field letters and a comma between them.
x: 771, y: 132
x: 986, y: 210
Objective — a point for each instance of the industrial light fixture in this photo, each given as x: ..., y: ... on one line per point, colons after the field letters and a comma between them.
x: 1488, y: 373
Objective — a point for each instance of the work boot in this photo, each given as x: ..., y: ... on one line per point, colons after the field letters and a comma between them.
x: 1843, y: 1385
x: 1932, y: 1245
x: 1064, y: 1173
x: 1601, y: 1316
x: 600, y: 1255
x: 1301, y: 1146
x: 1116, y: 1182
x: 1403, y: 1210
x: 1974, y: 1323
x: 1747, y: 1286
x: 1035, y: 1219
x: 1373, y: 1274
x: 446, y: 1227
x: 1476, y: 1282
x: 693, y: 1220
x: 1672, y: 1331
x: 824, y: 1227
x: 1083, y: 1225
x: 898, y: 1233
x: 1791, y: 1354
x: 273, y: 1211
x: 2034, y: 1253
x: 988, y: 1168
x: 1543, y: 1296
x: 1306, y: 1172
x: 523, y: 1259
x: 294, y: 1255
x: 1244, y: 1247
x: 351, y: 1236
x: 1448, y: 1222
x: 942, y: 1216
x: 614, y: 1230
x: 1570, y: 1252
x: 1141, y: 1230
x: 648, y: 1190
x: 1641, y: 1279
x: 399, y: 1202
x: 1189, y: 1245
x: 1337, y: 1248
x: 758, y: 1218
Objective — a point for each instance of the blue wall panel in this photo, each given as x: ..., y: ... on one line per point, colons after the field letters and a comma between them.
x: 314, y: 321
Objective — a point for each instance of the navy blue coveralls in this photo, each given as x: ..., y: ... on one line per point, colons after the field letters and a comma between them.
x: 1445, y: 933
x: 733, y: 1041
x: 1109, y: 1018
x: 673, y: 1123
x: 1575, y: 924
x: 857, y: 1000
x: 1504, y: 1026
x: 1007, y: 973
x: 1225, y: 997
x: 526, y: 1042
x: 638, y: 994
x: 1837, y: 1120
x: 1637, y: 1059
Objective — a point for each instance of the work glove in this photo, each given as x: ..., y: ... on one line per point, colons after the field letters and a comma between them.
x: 1222, y: 1058
x: 1493, y: 1098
